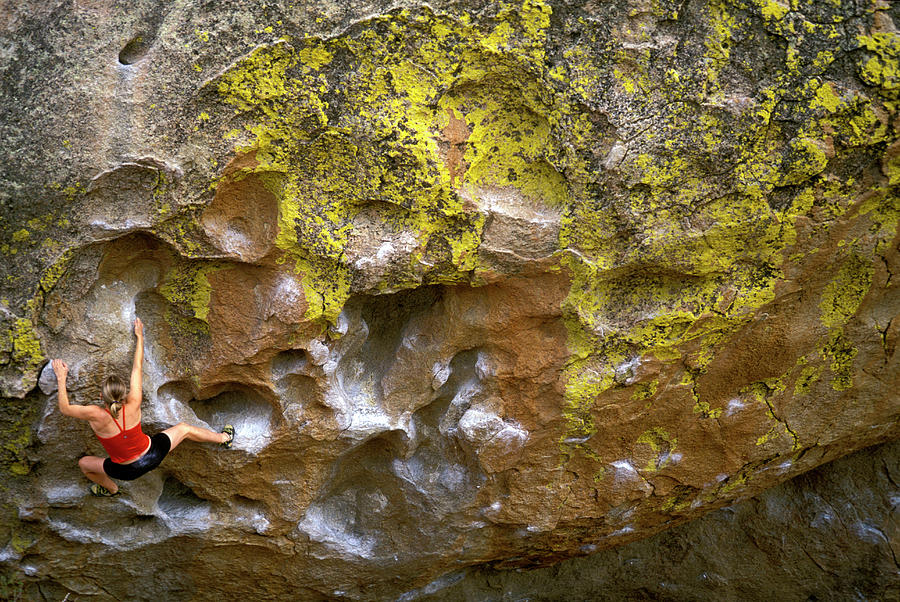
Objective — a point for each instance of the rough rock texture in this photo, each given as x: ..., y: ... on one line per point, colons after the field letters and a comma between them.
x: 476, y: 281
x: 830, y: 534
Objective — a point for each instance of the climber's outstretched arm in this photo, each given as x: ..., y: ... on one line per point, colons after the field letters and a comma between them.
x: 83, y: 412
x: 134, y: 391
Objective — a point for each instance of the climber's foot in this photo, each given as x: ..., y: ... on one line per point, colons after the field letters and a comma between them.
x: 228, y: 430
x: 98, y: 490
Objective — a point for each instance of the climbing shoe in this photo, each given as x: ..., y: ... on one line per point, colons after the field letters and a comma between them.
x: 101, y: 491
x: 228, y: 430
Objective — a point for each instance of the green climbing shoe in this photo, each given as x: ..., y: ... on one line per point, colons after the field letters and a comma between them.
x: 228, y: 430
x: 101, y: 491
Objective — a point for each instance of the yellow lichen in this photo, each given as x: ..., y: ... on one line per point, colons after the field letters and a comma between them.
x: 26, y: 348
x: 806, y: 379
x: 663, y: 445
x: 54, y: 272
x: 323, y: 174
x: 187, y: 286
x: 881, y: 69
x: 842, y: 296
x: 841, y: 352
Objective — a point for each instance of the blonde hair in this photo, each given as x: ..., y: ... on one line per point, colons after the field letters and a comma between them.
x: 114, y: 390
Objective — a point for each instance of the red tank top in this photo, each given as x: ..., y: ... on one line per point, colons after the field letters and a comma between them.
x: 127, y: 445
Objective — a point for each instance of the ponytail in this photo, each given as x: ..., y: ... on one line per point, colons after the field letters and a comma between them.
x: 113, y: 390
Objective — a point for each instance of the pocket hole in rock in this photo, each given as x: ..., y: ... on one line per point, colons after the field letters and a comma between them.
x: 249, y: 413
x: 292, y: 361
x: 134, y: 50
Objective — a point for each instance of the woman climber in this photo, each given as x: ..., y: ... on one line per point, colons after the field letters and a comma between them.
x: 131, y: 452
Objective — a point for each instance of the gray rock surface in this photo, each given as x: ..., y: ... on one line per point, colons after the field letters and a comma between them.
x: 830, y: 534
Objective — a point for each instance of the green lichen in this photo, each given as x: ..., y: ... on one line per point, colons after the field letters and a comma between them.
x: 843, y: 295
x: 840, y: 302
x: 763, y: 392
x: 735, y: 482
x: 892, y: 169
x: 356, y: 124
x: 182, y: 230
x: 39, y: 224
x: 260, y: 80
x: 53, y: 273
x: 585, y: 378
x: 665, y: 313
x: 74, y: 191
x: 16, y: 420
x: 881, y: 70
x: 804, y: 160
x: 508, y: 147
x: 16, y: 441
x: 411, y: 71
x: 21, y: 541
x: 187, y: 287
x: 662, y: 444
x: 827, y: 98
x: 883, y: 209
x: 841, y: 352
x: 632, y: 72
x: 687, y: 225
x: 722, y: 24
x: 704, y: 409
x: 315, y: 57
x: 808, y: 376
x: 772, y: 10
x: 464, y: 251
x: 26, y: 348
x: 680, y: 501
x: 645, y: 391
x: 857, y: 122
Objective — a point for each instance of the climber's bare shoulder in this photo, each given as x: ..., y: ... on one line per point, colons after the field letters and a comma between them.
x: 134, y: 397
x: 91, y: 413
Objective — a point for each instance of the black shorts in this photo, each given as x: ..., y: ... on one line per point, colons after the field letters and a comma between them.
x: 160, y: 444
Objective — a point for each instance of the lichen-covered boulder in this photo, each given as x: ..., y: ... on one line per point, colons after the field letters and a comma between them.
x: 476, y: 282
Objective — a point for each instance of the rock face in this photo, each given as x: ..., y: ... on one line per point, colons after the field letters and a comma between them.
x: 475, y: 281
x: 833, y: 533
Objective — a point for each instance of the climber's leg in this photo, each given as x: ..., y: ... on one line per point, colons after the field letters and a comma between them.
x: 183, y: 430
x: 92, y: 467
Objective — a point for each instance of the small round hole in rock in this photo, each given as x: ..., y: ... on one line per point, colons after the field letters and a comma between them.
x: 134, y: 50
x: 292, y: 361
